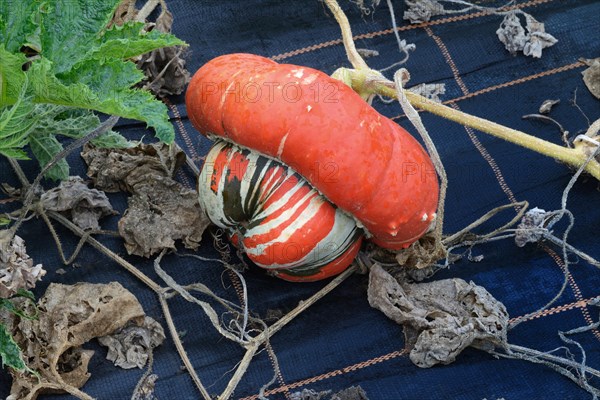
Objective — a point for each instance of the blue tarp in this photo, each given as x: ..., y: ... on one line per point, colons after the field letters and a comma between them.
x: 341, y: 341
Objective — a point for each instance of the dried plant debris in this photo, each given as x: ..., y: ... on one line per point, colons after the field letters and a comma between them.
x: 115, y: 170
x: 165, y: 68
x: 422, y: 10
x: 440, y: 318
x: 432, y: 91
x: 161, y: 210
x: 591, y: 76
x: 145, y: 390
x: 131, y: 346
x: 367, y: 53
x: 309, y: 394
x: 69, y: 316
x: 17, y: 270
x: 531, y: 40
x: 85, y: 206
x: 547, y: 106
x: 352, y: 393
x: 422, y: 254
x: 531, y: 228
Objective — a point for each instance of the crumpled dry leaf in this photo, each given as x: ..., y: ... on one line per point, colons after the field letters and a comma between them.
x: 69, y: 316
x: 440, y: 318
x: 85, y: 206
x: 114, y: 170
x: 165, y: 68
x: 422, y: 10
x: 131, y: 346
x: 512, y: 34
x: 538, y: 38
x: 591, y: 76
x: 352, y: 393
x: 16, y: 268
x: 161, y: 210
x: 530, y: 229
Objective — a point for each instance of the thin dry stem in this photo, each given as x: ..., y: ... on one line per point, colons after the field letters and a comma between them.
x: 239, y: 372
x: 258, y: 341
x: 181, y: 349
x: 106, y: 251
x: 263, y: 337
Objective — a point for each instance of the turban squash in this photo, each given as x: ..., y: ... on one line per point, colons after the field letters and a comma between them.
x: 302, y: 167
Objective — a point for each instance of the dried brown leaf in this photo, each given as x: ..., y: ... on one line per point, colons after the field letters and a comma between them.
x: 165, y: 71
x: 69, y: 316
x: 17, y: 270
x: 164, y: 68
x: 440, y: 318
x: 131, y: 346
x: 164, y: 22
x: 161, y: 211
x: 591, y: 76
x: 114, y: 170
x: 83, y: 205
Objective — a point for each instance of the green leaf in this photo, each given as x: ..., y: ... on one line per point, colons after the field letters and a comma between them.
x: 105, y: 77
x: 12, y: 77
x: 4, y: 221
x: 45, y: 146
x: 65, y: 121
x: 128, y: 103
x: 17, y: 154
x: 129, y: 40
x: 20, y: 24
x: 80, y: 64
x: 10, y: 352
x: 76, y: 123
x: 16, y: 123
x: 70, y: 26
